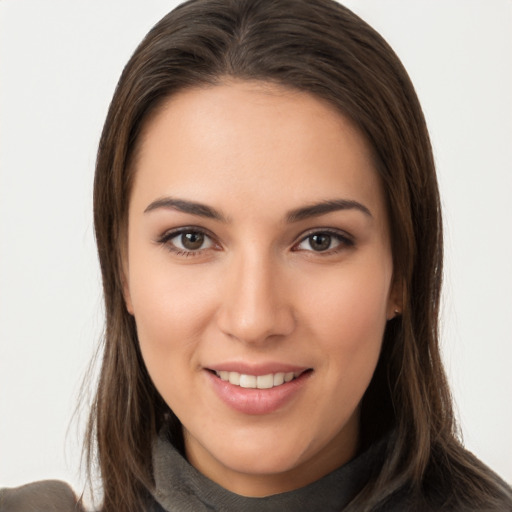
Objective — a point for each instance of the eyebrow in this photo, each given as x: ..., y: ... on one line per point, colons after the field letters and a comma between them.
x: 185, y: 206
x: 325, y: 207
x: 296, y: 215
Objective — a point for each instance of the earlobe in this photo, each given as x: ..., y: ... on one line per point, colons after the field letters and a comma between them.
x: 127, y: 297
x: 123, y: 266
x: 126, y: 288
x: 396, y: 299
x: 393, y: 312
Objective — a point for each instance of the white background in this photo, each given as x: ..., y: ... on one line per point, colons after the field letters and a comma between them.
x: 59, y: 63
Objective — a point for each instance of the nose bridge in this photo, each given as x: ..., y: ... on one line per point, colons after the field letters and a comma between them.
x: 255, y: 306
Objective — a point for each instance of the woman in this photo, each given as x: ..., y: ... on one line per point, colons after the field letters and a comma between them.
x: 269, y: 233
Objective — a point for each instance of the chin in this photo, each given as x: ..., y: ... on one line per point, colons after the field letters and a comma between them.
x: 262, y: 462
x: 252, y: 452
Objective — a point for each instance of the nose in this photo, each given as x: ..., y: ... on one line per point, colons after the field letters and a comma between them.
x: 256, y: 304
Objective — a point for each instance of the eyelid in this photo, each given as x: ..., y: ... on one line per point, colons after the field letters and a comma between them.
x: 168, y: 235
x: 346, y: 239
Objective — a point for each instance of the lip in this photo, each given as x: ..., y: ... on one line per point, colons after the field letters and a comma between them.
x: 257, y: 369
x: 257, y: 401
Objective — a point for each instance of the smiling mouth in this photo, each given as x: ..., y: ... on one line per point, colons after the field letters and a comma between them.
x: 268, y: 381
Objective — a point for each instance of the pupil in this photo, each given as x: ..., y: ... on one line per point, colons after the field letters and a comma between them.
x: 192, y: 241
x: 320, y: 242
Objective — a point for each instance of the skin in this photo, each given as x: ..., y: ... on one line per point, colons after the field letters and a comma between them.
x: 256, y: 291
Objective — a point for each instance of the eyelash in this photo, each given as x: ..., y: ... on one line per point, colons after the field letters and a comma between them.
x: 344, y: 240
x: 166, y: 238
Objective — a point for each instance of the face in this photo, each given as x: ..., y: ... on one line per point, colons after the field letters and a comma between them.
x: 259, y: 272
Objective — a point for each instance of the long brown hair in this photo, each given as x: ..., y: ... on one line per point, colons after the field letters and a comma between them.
x: 323, y: 48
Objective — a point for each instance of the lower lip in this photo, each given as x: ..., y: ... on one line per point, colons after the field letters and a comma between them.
x: 257, y: 401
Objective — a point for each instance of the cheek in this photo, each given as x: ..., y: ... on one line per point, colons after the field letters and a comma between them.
x: 348, y: 318
x: 352, y: 303
x: 170, y: 312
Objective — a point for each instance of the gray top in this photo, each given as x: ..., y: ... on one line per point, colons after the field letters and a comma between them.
x: 43, y: 496
x: 180, y: 487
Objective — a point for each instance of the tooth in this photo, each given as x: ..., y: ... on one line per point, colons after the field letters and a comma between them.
x: 234, y: 378
x: 261, y: 382
x: 278, y: 379
x: 247, y: 381
x: 265, y: 381
x: 288, y: 376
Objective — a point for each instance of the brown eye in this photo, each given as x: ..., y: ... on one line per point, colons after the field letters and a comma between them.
x: 187, y: 241
x: 320, y: 242
x: 192, y: 241
x: 324, y: 241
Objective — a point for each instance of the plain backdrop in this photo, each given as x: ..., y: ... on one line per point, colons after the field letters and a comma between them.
x: 59, y: 63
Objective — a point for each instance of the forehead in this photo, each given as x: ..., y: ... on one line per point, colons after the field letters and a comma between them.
x: 243, y: 138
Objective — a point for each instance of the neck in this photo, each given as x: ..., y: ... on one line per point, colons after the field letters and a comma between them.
x: 305, y: 470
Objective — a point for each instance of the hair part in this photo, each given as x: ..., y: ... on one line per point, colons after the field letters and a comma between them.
x: 322, y: 48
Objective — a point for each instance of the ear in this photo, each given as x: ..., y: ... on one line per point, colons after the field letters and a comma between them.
x: 396, y: 298
x: 126, y: 293
x: 125, y: 282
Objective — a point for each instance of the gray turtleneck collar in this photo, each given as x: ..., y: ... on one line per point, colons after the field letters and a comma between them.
x: 180, y: 487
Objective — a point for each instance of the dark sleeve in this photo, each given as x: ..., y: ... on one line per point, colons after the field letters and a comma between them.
x: 44, y: 496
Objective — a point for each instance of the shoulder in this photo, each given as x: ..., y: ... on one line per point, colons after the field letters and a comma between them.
x: 466, y: 483
x: 457, y: 481
x: 454, y: 481
x: 445, y: 500
x: 51, y: 495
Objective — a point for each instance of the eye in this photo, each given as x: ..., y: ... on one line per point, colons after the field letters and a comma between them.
x: 187, y: 241
x: 324, y: 241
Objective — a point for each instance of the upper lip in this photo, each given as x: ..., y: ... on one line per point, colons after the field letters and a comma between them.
x: 257, y: 369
